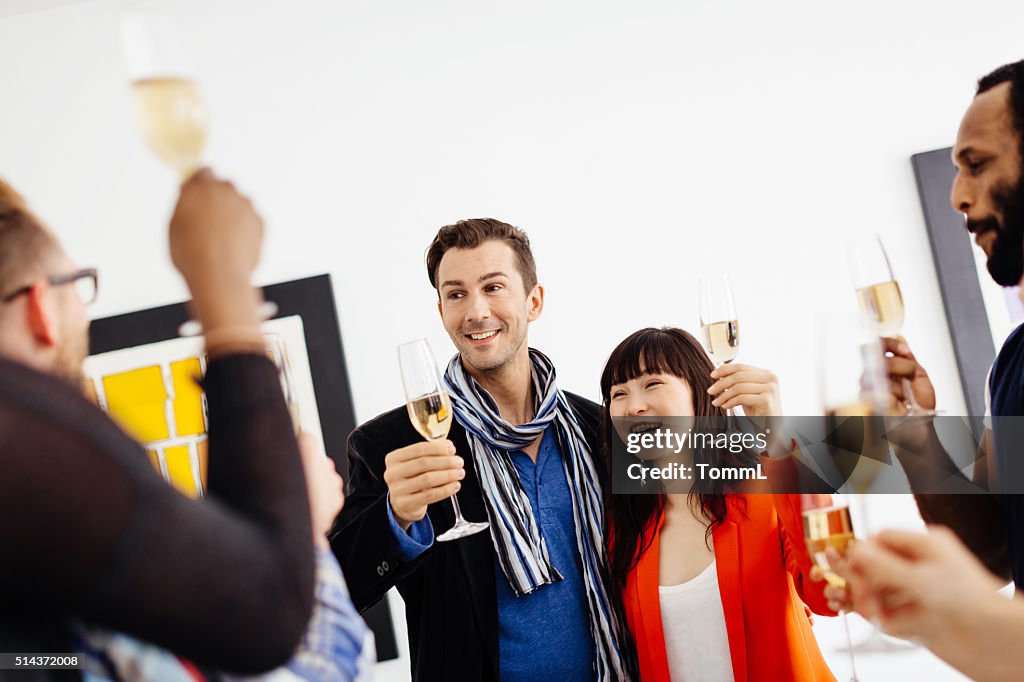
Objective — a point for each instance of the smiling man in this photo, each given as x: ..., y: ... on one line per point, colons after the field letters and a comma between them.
x: 527, y: 600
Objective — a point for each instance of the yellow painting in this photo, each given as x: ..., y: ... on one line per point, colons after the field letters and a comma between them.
x: 154, y: 393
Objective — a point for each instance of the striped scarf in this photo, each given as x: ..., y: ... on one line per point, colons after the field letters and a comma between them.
x: 522, y: 552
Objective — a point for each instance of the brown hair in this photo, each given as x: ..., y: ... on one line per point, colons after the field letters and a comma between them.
x: 469, y: 234
x: 25, y: 243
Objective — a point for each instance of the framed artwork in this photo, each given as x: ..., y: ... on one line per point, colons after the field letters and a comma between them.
x: 145, y: 375
x: 969, y: 312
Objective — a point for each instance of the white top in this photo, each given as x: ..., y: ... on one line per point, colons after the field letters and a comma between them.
x: 696, y: 640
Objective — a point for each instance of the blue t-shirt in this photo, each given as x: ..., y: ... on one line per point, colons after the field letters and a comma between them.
x: 1007, y: 390
x: 544, y: 635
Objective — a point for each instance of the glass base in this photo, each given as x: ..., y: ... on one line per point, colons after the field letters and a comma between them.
x: 461, y: 530
x: 878, y: 643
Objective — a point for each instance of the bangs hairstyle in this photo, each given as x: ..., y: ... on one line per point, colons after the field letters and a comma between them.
x: 662, y: 351
x: 25, y: 245
x: 630, y: 517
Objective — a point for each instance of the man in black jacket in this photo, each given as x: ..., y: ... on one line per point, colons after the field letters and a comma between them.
x: 528, y: 599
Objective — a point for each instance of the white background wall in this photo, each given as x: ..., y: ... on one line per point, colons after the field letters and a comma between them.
x: 638, y: 143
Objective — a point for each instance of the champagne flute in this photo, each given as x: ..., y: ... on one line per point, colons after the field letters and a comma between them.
x: 853, y: 389
x: 879, y: 298
x: 430, y: 412
x: 168, y: 105
x: 827, y: 524
x: 718, y: 323
x: 854, y: 395
x: 719, y: 326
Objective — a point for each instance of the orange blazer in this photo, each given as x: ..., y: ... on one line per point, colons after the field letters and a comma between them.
x: 764, y: 576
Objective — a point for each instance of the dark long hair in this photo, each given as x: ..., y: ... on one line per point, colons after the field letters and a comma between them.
x: 654, y: 351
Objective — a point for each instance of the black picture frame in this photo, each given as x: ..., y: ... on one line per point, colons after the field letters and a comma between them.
x: 966, y: 315
x: 312, y: 299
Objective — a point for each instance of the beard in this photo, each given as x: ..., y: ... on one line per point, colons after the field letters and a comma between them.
x: 1006, y: 262
x: 72, y: 350
x: 70, y: 360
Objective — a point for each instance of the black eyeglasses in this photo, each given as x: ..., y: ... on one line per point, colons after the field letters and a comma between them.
x: 86, y: 283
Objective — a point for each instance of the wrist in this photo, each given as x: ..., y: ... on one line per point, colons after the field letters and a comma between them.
x: 402, y: 523
x: 225, y: 340
x: 226, y: 302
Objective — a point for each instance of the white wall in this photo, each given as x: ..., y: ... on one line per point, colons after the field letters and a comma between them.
x: 638, y: 143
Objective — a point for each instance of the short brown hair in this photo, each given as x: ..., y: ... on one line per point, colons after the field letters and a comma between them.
x: 25, y: 244
x: 469, y: 234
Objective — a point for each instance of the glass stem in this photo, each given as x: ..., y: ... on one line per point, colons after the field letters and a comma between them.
x: 728, y: 411
x: 458, y: 512
x: 849, y: 645
x: 912, y: 406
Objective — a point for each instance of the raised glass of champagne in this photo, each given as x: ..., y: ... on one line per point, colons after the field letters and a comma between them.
x: 168, y: 105
x: 430, y: 411
x: 880, y: 299
x: 878, y: 292
x: 718, y: 323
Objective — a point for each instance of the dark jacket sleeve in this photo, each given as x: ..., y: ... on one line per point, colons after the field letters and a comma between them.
x: 363, y: 539
x: 91, y: 532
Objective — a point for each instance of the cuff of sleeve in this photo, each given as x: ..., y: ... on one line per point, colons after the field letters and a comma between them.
x: 241, y: 381
x: 417, y: 541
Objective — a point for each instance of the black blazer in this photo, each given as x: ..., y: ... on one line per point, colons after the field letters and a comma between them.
x: 449, y: 590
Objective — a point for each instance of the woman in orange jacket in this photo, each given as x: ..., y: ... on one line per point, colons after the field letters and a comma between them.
x: 713, y: 581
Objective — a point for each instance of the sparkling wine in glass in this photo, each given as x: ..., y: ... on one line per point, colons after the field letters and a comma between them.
x: 719, y: 326
x: 879, y: 298
x: 828, y: 525
x: 168, y: 105
x: 854, y: 395
x: 430, y: 411
x: 718, y: 323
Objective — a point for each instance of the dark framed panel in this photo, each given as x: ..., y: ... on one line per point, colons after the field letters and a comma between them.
x: 958, y: 275
x: 312, y: 299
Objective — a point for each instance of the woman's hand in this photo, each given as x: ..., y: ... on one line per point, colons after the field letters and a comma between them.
x: 754, y: 389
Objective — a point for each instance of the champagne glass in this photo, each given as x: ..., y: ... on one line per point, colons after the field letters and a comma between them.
x: 827, y: 524
x: 430, y: 411
x: 854, y: 395
x: 719, y: 326
x: 168, y: 105
x: 718, y: 323
x: 879, y: 298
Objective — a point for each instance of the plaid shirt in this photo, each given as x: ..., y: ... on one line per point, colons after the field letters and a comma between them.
x: 337, y: 646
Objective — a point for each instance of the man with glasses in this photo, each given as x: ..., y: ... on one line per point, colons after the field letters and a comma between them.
x: 86, y: 281
x: 43, y: 321
x: 90, y: 533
